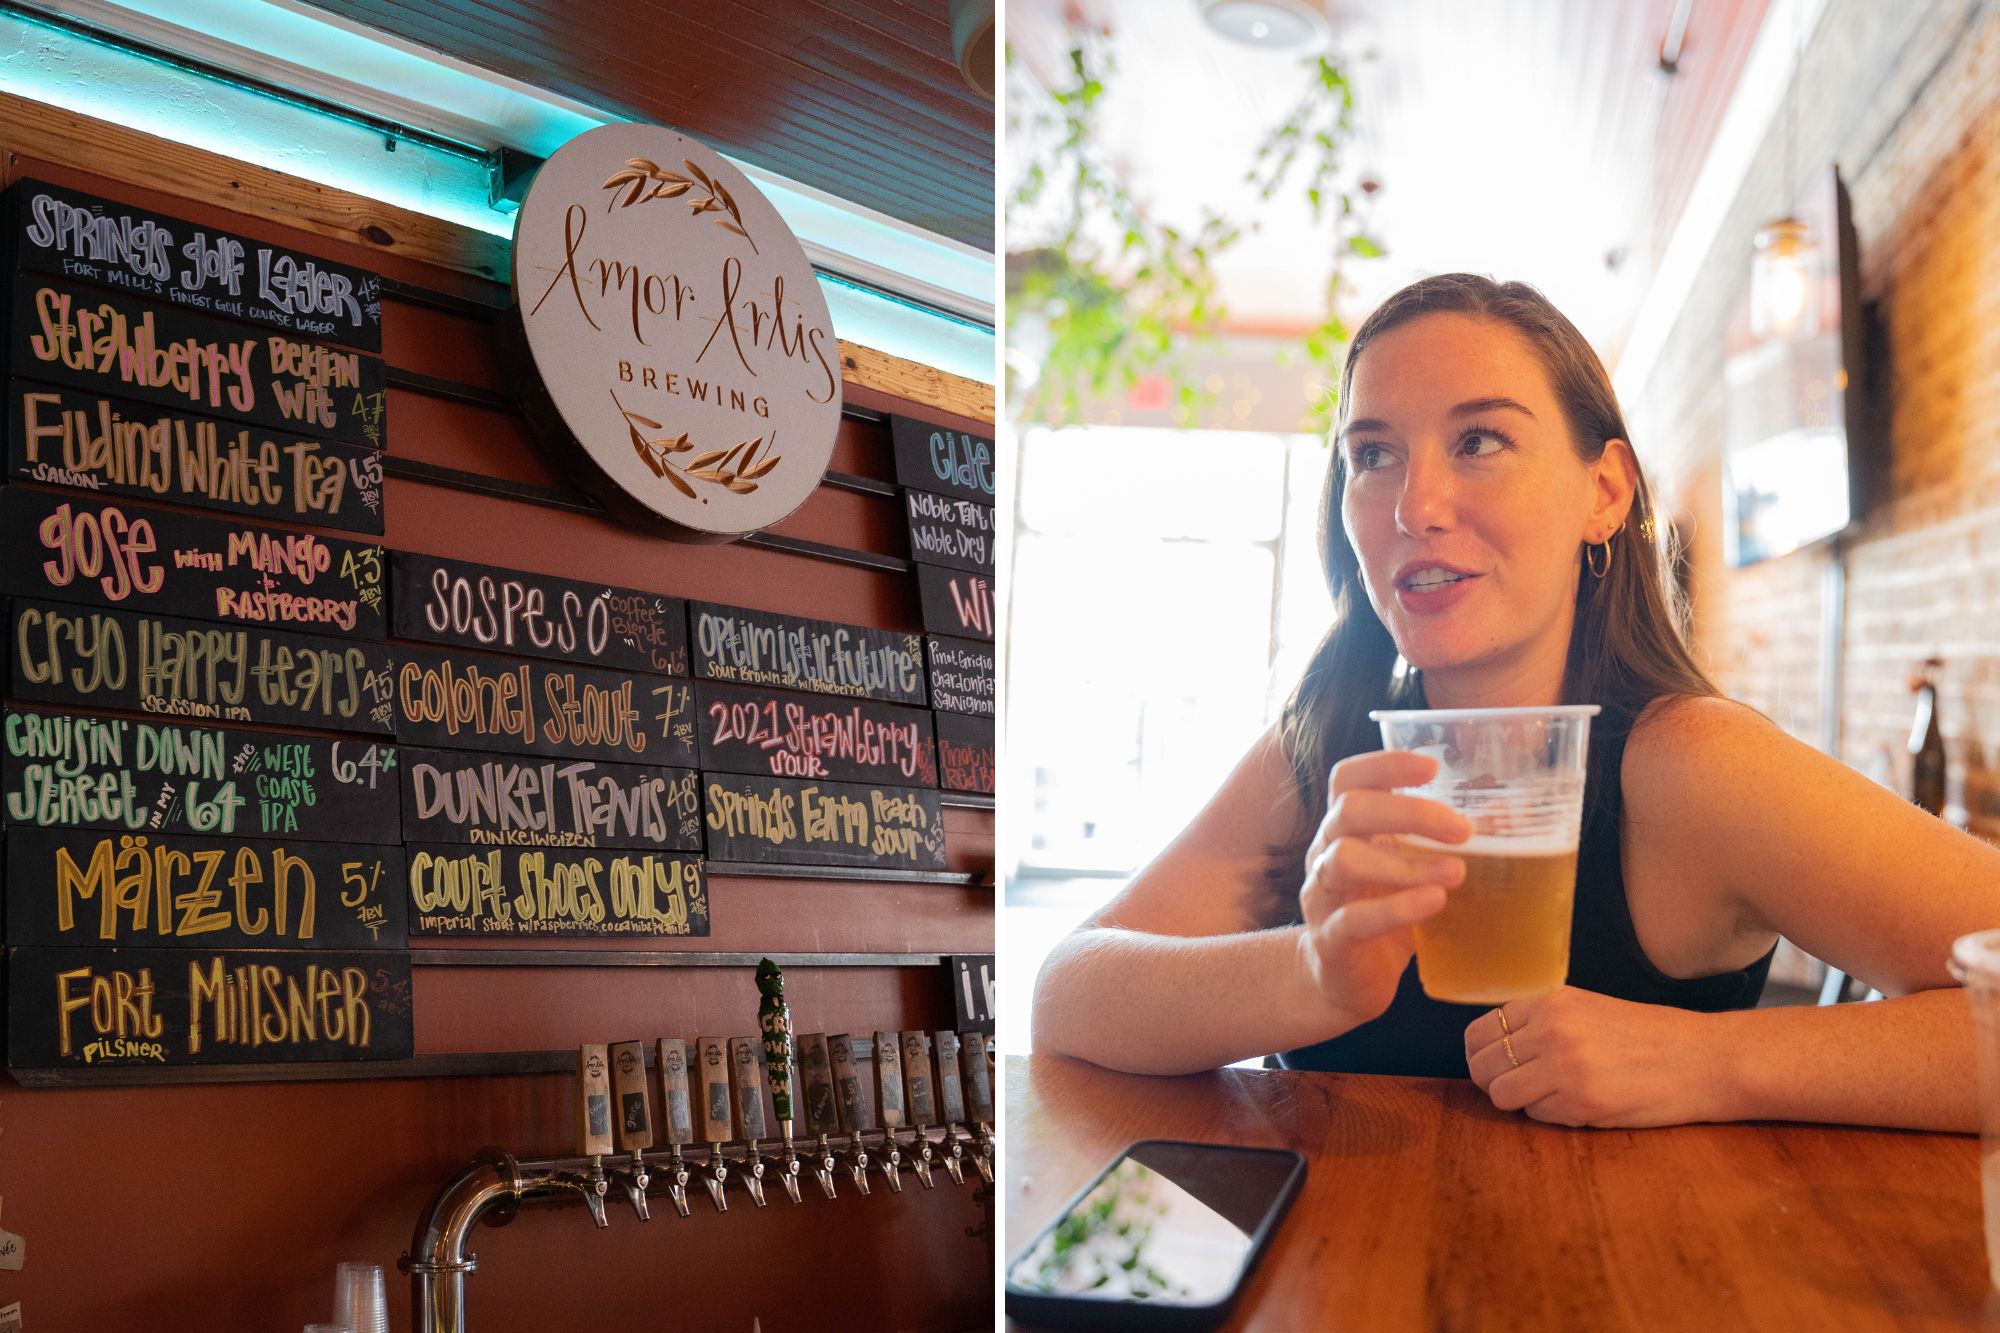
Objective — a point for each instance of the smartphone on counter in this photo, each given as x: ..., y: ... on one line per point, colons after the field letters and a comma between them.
x: 1164, y: 1238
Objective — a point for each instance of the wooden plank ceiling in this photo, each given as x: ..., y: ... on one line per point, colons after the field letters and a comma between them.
x: 859, y: 98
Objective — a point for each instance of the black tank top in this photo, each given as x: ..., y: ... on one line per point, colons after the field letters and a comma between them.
x: 1421, y: 1036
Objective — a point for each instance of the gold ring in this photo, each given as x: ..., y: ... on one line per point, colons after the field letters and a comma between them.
x: 1506, y: 1028
x: 1507, y: 1040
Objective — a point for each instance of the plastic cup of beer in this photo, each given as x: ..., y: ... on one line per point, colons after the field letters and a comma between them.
x: 1517, y: 774
x: 1975, y: 961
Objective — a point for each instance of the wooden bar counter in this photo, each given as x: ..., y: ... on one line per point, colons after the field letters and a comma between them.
x: 1425, y: 1208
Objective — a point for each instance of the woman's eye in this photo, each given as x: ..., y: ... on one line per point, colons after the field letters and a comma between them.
x: 1366, y: 457
x: 1479, y: 444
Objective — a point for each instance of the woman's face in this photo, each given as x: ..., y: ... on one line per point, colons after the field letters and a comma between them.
x: 1464, y: 499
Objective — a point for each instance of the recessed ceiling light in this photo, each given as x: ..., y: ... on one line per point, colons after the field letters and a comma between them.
x: 1275, y: 25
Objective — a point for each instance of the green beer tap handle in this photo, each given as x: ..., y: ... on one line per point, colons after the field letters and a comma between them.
x: 774, y: 1017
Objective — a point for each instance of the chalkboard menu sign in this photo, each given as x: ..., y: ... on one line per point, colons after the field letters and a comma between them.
x: 77, y: 235
x: 489, y: 891
x: 116, y: 344
x: 937, y: 458
x: 116, y: 773
x: 97, y: 1008
x: 945, y: 530
x: 93, y: 443
x: 745, y: 647
x: 956, y: 601
x: 961, y: 676
x: 789, y: 821
x: 538, y: 615
x: 465, y: 796
x: 971, y: 991
x: 965, y: 753
x: 803, y: 736
x: 138, y: 558
x: 496, y: 703
x: 97, y: 887
x: 229, y: 673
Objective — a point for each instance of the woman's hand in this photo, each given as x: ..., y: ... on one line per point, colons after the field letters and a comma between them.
x: 1587, y: 1059
x: 1364, y: 890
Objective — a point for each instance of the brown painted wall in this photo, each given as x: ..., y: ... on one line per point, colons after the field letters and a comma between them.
x: 227, y: 1207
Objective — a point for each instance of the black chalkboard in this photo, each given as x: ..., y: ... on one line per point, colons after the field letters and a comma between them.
x: 956, y: 601
x: 947, y: 530
x: 478, y: 701
x: 501, y: 799
x: 773, y: 733
x: 972, y: 979
x: 116, y: 344
x: 138, y: 558
x: 961, y: 675
x: 179, y: 263
x: 789, y: 821
x: 458, y: 891
x: 91, y: 442
x: 100, y: 1008
x: 538, y: 615
x: 965, y: 753
x: 744, y: 647
x: 168, y: 777
x: 938, y: 458
x: 195, y: 670
x: 98, y: 887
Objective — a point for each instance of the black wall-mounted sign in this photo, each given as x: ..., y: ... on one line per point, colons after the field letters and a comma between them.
x: 789, y: 821
x: 499, y: 799
x: 956, y: 601
x: 743, y: 647
x: 128, y: 348
x: 947, y: 530
x: 196, y: 670
x: 163, y: 777
x: 97, y: 887
x: 181, y: 263
x: 138, y: 558
x: 475, y: 701
x: 938, y: 458
x: 458, y: 891
x: 97, y: 1008
x: 972, y: 982
x: 538, y: 615
x: 775, y: 734
x: 965, y: 753
x: 86, y: 441
x: 961, y: 675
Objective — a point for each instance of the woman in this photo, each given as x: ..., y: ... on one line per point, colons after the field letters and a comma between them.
x: 1485, y: 519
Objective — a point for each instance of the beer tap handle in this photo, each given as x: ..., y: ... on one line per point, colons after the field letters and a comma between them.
x: 593, y: 1069
x: 923, y: 1102
x: 889, y: 1082
x: 678, y: 1114
x: 852, y: 1103
x: 716, y: 1126
x: 821, y: 1117
x: 951, y: 1102
x: 746, y: 1072
x: 774, y: 1023
x: 633, y: 1124
x: 979, y: 1099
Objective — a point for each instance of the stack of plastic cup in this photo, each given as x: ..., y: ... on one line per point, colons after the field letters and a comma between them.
x: 359, y: 1301
x: 1975, y: 961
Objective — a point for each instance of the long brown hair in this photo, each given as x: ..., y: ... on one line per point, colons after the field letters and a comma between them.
x: 1627, y: 645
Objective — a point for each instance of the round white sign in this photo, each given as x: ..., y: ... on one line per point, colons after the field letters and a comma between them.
x: 678, y: 331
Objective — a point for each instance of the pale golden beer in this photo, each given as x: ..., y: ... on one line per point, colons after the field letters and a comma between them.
x: 1504, y: 932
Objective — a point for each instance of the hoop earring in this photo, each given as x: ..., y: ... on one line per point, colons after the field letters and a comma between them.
x: 1590, y: 550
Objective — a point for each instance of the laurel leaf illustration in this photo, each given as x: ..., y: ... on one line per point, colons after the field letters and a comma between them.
x: 706, y: 460
x: 706, y: 473
x: 728, y: 203
x: 763, y: 468
x: 643, y: 164
x: 680, y: 485
x: 738, y: 230
x: 647, y: 422
x: 699, y: 174
x: 741, y: 487
x: 670, y: 190
x: 730, y: 457
x: 679, y: 444
x: 753, y: 451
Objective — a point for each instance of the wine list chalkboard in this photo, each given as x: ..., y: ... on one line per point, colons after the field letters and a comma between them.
x: 115, y: 344
x: 956, y: 601
x: 99, y: 1008
x: 480, y: 702
x: 744, y: 647
x: 89, y: 442
x: 938, y: 458
x: 947, y: 530
x: 538, y: 615
x: 503, y: 799
x: 66, y: 769
x: 789, y: 821
x: 458, y: 891
x: 138, y: 558
x: 808, y: 736
x: 965, y: 753
x: 93, y: 658
x: 961, y: 676
x: 97, y: 887
x: 78, y: 235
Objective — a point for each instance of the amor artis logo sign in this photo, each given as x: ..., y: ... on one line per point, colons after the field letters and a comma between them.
x: 687, y: 364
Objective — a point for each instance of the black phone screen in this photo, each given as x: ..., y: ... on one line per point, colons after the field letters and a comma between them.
x: 1167, y: 1224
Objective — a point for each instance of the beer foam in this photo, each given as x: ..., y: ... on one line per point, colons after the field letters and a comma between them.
x: 1555, y: 843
